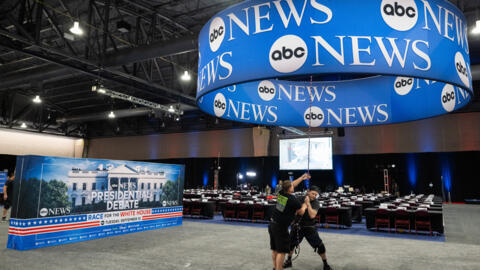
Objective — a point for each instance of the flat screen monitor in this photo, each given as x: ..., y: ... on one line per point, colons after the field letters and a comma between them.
x: 294, y: 154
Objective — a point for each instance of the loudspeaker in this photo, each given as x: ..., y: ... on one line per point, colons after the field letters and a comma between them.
x: 341, y: 132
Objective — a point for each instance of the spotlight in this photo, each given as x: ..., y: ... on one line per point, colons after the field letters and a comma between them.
x: 393, y: 165
x: 177, y: 118
x: 240, y: 176
x: 123, y: 26
x: 171, y: 109
x: 37, y: 99
x: 23, y: 125
x: 76, y: 29
x: 476, y: 29
x: 111, y: 115
x: 186, y: 76
x: 99, y: 88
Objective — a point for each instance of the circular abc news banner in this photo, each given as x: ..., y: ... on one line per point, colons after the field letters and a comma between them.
x: 250, y: 51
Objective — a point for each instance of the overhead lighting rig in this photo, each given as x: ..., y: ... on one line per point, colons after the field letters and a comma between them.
x: 117, y: 95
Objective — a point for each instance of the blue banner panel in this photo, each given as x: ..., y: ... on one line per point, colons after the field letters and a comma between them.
x: 3, y: 180
x: 401, y: 60
x: 24, y: 234
x: 62, y: 200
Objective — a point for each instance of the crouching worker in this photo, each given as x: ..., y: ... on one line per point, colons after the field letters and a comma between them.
x: 306, y: 229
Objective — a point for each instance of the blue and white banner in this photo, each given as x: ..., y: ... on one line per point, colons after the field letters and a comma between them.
x: 26, y: 234
x: 267, y: 62
x: 3, y: 180
x: 64, y: 200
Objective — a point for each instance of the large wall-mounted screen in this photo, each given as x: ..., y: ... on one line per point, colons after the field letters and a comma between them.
x: 294, y: 154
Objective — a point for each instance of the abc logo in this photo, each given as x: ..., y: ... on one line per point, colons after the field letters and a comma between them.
x: 43, y: 212
x: 266, y: 90
x: 216, y: 33
x: 403, y: 85
x: 288, y: 54
x: 313, y: 116
x: 219, y: 105
x: 448, y: 98
x: 401, y: 15
x: 461, y: 68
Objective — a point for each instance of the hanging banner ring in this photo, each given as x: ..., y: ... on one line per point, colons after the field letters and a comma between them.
x: 373, y: 62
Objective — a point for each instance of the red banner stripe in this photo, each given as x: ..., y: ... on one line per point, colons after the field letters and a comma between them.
x: 163, y: 214
x: 53, y: 226
x: 55, y: 230
x: 169, y: 216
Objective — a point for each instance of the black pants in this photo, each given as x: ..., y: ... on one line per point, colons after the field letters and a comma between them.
x: 310, y: 233
x: 279, y: 238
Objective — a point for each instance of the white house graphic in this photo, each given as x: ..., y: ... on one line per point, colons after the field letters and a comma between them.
x: 82, y: 183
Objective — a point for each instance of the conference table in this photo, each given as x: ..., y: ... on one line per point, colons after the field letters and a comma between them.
x: 344, y: 214
x: 207, y: 208
x: 357, y: 213
x: 267, y: 208
x: 436, y: 218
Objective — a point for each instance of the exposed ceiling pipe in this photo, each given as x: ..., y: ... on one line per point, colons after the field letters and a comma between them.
x: 25, y: 78
x: 103, y: 115
x: 82, y: 65
x: 123, y: 57
x: 154, y: 50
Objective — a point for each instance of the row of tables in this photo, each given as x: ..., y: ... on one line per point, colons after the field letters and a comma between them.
x: 434, y: 211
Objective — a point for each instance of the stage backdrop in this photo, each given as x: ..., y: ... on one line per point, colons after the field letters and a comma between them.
x: 63, y: 200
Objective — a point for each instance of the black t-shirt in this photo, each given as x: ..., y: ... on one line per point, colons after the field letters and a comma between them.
x: 306, y: 220
x: 285, y: 209
x: 9, y: 185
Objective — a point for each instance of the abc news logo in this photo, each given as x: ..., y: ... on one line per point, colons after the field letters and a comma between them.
x: 288, y: 54
x: 399, y: 10
x: 219, y: 105
x: 314, y: 116
x: 448, y: 98
x: 403, y: 85
x: 401, y: 15
x: 216, y: 33
x: 462, y: 69
x: 266, y: 90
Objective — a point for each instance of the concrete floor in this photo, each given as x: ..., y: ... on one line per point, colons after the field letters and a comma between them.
x: 201, y: 246
x: 462, y: 223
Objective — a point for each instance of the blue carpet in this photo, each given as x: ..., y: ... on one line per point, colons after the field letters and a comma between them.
x: 356, y: 229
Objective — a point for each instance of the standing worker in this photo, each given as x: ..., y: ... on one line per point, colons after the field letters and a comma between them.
x: 283, y: 215
x: 7, y: 195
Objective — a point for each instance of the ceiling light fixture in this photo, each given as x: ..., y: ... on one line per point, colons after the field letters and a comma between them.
x: 76, y: 29
x: 171, y: 109
x: 111, y: 115
x: 23, y: 125
x: 186, y: 76
x: 37, y: 99
x: 476, y: 29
